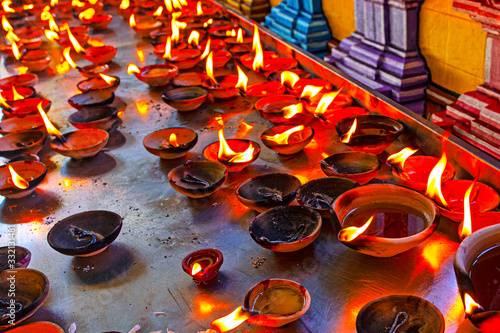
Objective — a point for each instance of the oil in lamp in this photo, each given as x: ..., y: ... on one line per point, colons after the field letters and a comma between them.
x: 203, y: 265
x: 237, y: 39
x: 263, y: 89
x: 235, y: 154
x: 170, y: 143
x: 12, y: 125
x: 222, y: 87
x: 21, y: 143
x: 101, y: 117
x: 357, y: 166
x: 290, y: 114
x: 22, y: 258
x: 143, y: 25
x: 89, y: 71
x: 185, y: 99
x: 189, y: 79
x: 97, y: 22
x: 21, y: 178
x: 198, y: 179
x: 153, y: 75
x: 91, y: 99
x: 287, y: 139
x: 274, y: 104
x: 101, y: 82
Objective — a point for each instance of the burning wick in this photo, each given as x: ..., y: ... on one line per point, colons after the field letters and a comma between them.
x: 210, y: 69
x: 291, y: 110
x: 434, y: 181
x: 310, y: 92
x: 347, y: 137
x: 108, y: 79
x: 466, y: 229
x: 282, y: 138
x: 225, y: 152
x: 325, y: 101
x: 242, y: 80
x: 401, y: 157
x: 207, y: 49
x: 17, y: 180
x: 3, y: 102
x: 194, y: 38
x: 289, y: 79
x: 51, y: 129
x: 470, y: 305
x: 196, y: 269
x: 132, y: 68
x: 232, y: 320
x: 351, y: 233
x: 258, y: 61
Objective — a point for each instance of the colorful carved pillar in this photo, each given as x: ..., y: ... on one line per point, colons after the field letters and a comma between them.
x: 383, y: 51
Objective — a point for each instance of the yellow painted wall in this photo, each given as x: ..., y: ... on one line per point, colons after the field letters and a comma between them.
x: 453, y: 44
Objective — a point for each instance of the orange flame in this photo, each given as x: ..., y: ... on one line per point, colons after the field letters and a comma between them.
x: 401, y: 157
x: 47, y: 16
x: 132, y: 68
x: 95, y: 42
x: 289, y: 79
x: 351, y: 132
x: 28, y: 7
x: 196, y: 267
x: 208, y: 22
x: 239, y: 38
x: 67, y: 183
x: 87, y: 14
x: 256, y: 37
x: 77, y: 3
x: 140, y: 54
x: 50, y: 128
x: 22, y: 69
x: 17, y: 96
x: 109, y: 79
x: 210, y: 69
x: 51, y: 35
x: 310, y: 92
x: 291, y: 110
x: 67, y: 56
x: 231, y: 321
x: 282, y: 138
x: 325, y: 101
x: 176, y: 4
x: 12, y: 37
x: 434, y: 181
x: 158, y: 11
x: 351, y: 233
x: 6, y: 24
x: 173, y: 141
x: 16, y: 52
x: 6, y: 6
x: 227, y: 153
x: 194, y: 37
x: 78, y: 48
x: 470, y: 304
x: 175, y: 31
x: 199, y: 9
x: 168, y: 49
x: 62, y: 68
x: 207, y: 49
x: 131, y: 21
x: 467, y: 223
x: 3, y: 102
x: 142, y: 107
x: 231, y: 33
x: 124, y: 4
x: 258, y: 61
x: 242, y: 79
x: 17, y: 180
x: 168, y: 5
x: 53, y: 3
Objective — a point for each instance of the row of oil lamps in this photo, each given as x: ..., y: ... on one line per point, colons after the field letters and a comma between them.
x: 305, y: 99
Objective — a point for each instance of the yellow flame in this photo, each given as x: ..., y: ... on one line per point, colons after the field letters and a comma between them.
x: 172, y: 139
x: 78, y: 48
x: 51, y: 35
x: 62, y: 68
x: 109, y: 79
x: 3, y: 102
x: 17, y: 180
x: 401, y: 157
x: 289, y: 79
x: 282, y: 138
x: 434, y: 181
x: 231, y: 33
x: 140, y: 54
x: 231, y: 321
x: 50, y: 128
x: 22, y: 69
x: 168, y: 49
x: 17, y: 96
x: 242, y: 79
x: 53, y: 3
x: 239, y: 38
x: 77, y: 3
x: 87, y: 14
x: 12, y: 37
x: 208, y: 22
x: 176, y: 4
x: 6, y: 24
x: 210, y: 69
x: 470, y: 304
x: 132, y: 68
x: 131, y: 21
x: 67, y: 183
x: 194, y: 38
x: 467, y: 223
x: 15, y: 51
x: 310, y: 92
x: 6, y: 6
x: 291, y: 110
x: 349, y: 134
x: 196, y: 267
x: 124, y: 4
x: 325, y: 101
x: 95, y: 42
x: 226, y: 152
x: 199, y: 9
x: 351, y: 233
x: 28, y: 7
x: 258, y: 61
x: 159, y: 11
x: 207, y: 49
x: 67, y: 56
x: 142, y: 107
x: 168, y: 5
x: 47, y: 16
x: 256, y: 37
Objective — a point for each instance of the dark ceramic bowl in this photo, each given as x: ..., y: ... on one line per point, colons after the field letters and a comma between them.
x: 295, y: 143
x: 157, y: 143
x: 85, y: 234
x: 198, y: 179
x: 22, y: 257
x: 101, y: 117
x: 32, y: 171
x: 21, y: 143
x: 185, y: 99
x: 358, y: 166
x: 92, y: 99
x: 98, y: 84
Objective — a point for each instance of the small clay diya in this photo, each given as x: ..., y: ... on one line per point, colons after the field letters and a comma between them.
x: 29, y: 32
x: 170, y: 143
x: 341, y: 102
x: 18, y: 81
x: 145, y: 25
x: 225, y: 87
x: 299, y: 86
x: 99, y: 55
x: 233, y: 41
x: 25, y: 92
x: 32, y: 288
x: 373, y: 133
x: 274, y: 104
x: 85, y: 234
x: 157, y: 75
x: 264, y: 89
x: 319, y: 194
x: 98, y: 22
x: 287, y: 139
x: 32, y: 172
x: 238, y: 50
x: 93, y: 70
x: 332, y: 116
x: 14, y: 257
x: 247, y: 59
x: 37, y: 327
x: 272, y: 65
x: 358, y: 166
x: 264, y: 192
x: 238, y: 146
x: 81, y: 144
x: 92, y: 99
x: 184, y: 59
x: 401, y: 313
x: 9, y: 52
x: 215, y: 45
x: 98, y: 83
x: 276, y: 76
x: 221, y: 31
x: 477, y: 271
x: 482, y: 220
x: 185, y: 99
x: 21, y: 143
x: 203, y: 265
x: 374, y: 220
x: 286, y: 228
x: 36, y: 60
x: 159, y: 36
x: 189, y: 79
x: 198, y: 179
x: 220, y: 58
x: 102, y: 117
x: 26, y: 107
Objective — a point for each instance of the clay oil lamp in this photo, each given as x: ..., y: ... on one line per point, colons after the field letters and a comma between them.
x: 220, y: 58
x: 88, y: 71
x: 235, y: 154
x: 29, y: 32
x: 143, y: 25
x: 12, y: 125
x: 272, y: 65
x: 21, y: 143
x: 16, y: 94
x: 274, y: 104
x: 287, y: 139
x: 298, y: 87
x: 279, y: 76
x: 286, y: 228
x: 71, y: 35
x: 125, y: 9
x: 262, y: 89
x: 185, y: 99
x: 215, y: 45
x: 182, y: 59
x: 101, y: 82
x: 92, y: 99
x: 159, y: 36
x: 12, y: 50
x: 18, y: 81
x: 19, y: 179
x: 97, y: 22
x: 103, y: 118
x: 25, y: 107
x: 357, y: 166
x: 170, y: 143
x: 264, y: 192
x: 85, y: 234
x: 238, y: 39
x: 477, y: 272
x: 270, y: 303
x: 318, y: 194
x: 373, y: 220
x: 189, y: 79
x: 370, y: 133
x: 203, y: 265
x: 224, y: 31
x: 99, y: 55
x: 32, y: 288
x: 330, y: 107
x: 400, y: 313
x: 36, y: 60
x: 221, y: 87
x: 154, y: 75
x: 291, y: 114
x: 198, y: 179
x: 37, y: 327
x: 22, y: 258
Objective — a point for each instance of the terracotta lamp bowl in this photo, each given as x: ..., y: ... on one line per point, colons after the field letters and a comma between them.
x: 318, y: 194
x: 210, y: 261
x: 357, y: 166
x: 32, y: 288
x: 381, y: 313
x: 238, y: 146
x: 158, y: 143
x: 182, y: 59
x: 92, y: 99
x: 332, y: 116
x: 404, y: 218
x: 29, y: 32
x: 263, y: 89
x: 31, y: 171
x: 99, y: 55
x: 26, y: 92
x: 21, y: 143
x: 264, y: 192
x: 295, y: 143
x: 157, y: 75
x: 93, y: 70
x: 36, y: 61
x: 247, y: 59
x: 271, y: 107
x: 373, y: 134
x: 25, y: 107
x: 226, y: 88
x: 22, y: 258
x: 220, y: 58
x: 286, y: 228
x: 185, y: 99
x: 272, y: 65
x: 37, y: 327
x: 98, y: 84
x: 101, y: 117
x: 266, y: 287
x: 98, y: 22
x: 81, y: 143
x: 198, y: 179
x: 21, y: 80
x: 14, y: 125
x: 302, y: 83
x: 276, y: 76
x: 480, y: 249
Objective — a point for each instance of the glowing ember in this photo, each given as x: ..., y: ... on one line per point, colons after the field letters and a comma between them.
x: 168, y: 49
x: 194, y: 38
x: 173, y: 141
x: 199, y: 9
x: 225, y: 152
x: 467, y: 223
x: 401, y: 157
x: 3, y: 102
x: 239, y: 38
x: 131, y: 21
x: 140, y: 54
x: 231, y: 321
x: 434, y: 181
x: 78, y: 48
x: 351, y: 132
x: 206, y: 52
x: 109, y: 79
x: 142, y: 107
x: 158, y: 11
x: 351, y: 233
x: 50, y: 128
x: 210, y: 69
x: 470, y: 304
x: 51, y: 35
x: 67, y: 56
x: 282, y: 138
x: 124, y: 4
x: 310, y: 92
x: 6, y: 6
x: 132, y: 68
x: 6, y: 24
x: 15, y: 51
x: 325, y: 101
x: 17, y: 96
x: 242, y: 79
x: 291, y: 110
x: 87, y: 14
x: 196, y: 267
x: 17, y: 180
x: 289, y: 79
